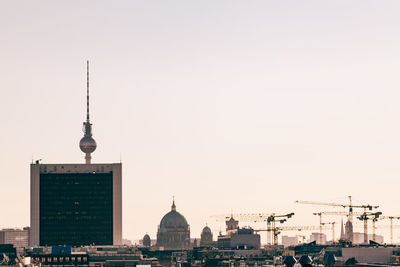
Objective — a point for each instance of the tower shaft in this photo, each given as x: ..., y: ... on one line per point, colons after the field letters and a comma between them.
x: 88, y: 158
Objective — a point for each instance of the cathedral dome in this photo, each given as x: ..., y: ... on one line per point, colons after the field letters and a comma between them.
x: 146, y: 240
x: 146, y: 237
x: 206, y: 237
x: 173, y: 231
x: 173, y: 219
x: 206, y: 230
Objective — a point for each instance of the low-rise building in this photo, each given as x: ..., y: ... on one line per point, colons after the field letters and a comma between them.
x: 319, y: 238
x: 290, y: 240
x: 19, y: 238
x: 102, y: 256
x: 358, y: 238
x: 8, y: 254
x: 243, y: 238
x: 382, y: 255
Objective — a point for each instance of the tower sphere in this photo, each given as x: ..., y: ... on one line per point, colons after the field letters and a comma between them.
x: 87, y: 144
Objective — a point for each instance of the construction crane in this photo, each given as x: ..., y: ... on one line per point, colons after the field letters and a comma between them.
x: 350, y: 206
x: 374, y: 220
x: 271, y: 220
x: 249, y: 217
x: 271, y: 224
x: 369, y: 216
x: 364, y: 216
x: 320, y: 226
x: 333, y: 230
x: 277, y: 230
x: 340, y: 213
x: 391, y: 218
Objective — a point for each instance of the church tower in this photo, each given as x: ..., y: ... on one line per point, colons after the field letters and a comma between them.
x: 342, y: 235
x: 349, y: 231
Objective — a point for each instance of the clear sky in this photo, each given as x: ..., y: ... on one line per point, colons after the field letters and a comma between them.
x: 228, y: 105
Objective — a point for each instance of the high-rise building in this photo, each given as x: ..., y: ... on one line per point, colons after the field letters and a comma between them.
x: 77, y: 204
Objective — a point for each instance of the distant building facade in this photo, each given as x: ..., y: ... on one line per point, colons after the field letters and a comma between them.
x: 358, y: 238
x: 19, y: 238
x: 174, y: 231
x: 238, y: 238
x: 319, y: 238
x: 110, y: 256
x: 290, y: 240
x: 126, y: 242
x: 243, y: 238
x: 371, y: 256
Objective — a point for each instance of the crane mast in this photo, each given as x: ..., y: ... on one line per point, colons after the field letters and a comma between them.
x: 390, y: 218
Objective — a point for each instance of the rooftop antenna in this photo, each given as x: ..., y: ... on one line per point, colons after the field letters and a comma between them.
x: 87, y: 91
x: 87, y: 144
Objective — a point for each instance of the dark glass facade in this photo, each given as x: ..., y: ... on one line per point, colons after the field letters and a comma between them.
x: 76, y: 209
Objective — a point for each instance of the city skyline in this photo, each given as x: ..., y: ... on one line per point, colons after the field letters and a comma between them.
x: 227, y: 106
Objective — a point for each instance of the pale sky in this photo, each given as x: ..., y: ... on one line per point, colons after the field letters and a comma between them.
x: 228, y: 105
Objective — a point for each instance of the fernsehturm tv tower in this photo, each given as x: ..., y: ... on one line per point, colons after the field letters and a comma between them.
x: 87, y: 144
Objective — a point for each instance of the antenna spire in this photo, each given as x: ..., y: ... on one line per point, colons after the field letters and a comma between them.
x: 87, y: 91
